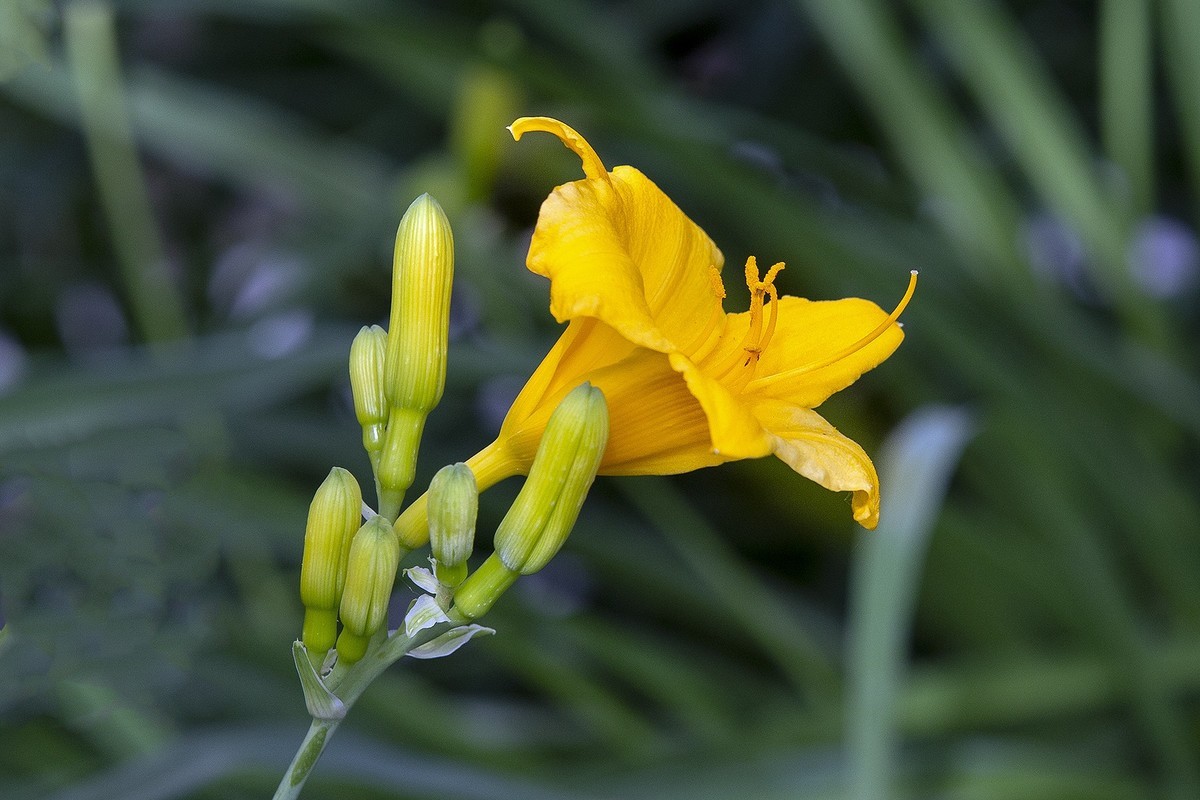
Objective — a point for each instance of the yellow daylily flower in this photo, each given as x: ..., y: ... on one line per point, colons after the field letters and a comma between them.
x: 688, y: 385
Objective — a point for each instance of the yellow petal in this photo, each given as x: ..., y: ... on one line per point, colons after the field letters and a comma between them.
x: 616, y: 248
x: 807, y: 334
x: 593, y: 167
x: 734, y: 430
x: 584, y: 347
x: 656, y: 426
x: 815, y: 449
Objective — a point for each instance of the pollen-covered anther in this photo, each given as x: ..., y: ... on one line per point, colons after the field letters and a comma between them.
x: 714, y: 280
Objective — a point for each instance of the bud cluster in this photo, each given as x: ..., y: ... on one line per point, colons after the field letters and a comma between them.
x: 397, y: 377
x: 418, y: 337
x: 332, y: 520
x: 347, y: 571
x: 546, y: 508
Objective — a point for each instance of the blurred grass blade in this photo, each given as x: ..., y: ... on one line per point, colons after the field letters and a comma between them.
x: 757, y: 610
x: 1127, y: 96
x: 22, y: 41
x: 197, y: 761
x: 611, y: 720
x: 1180, y: 31
x: 91, y: 45
x: 668, y: 677
x: 113, y: 726
x: 915, y: 467
x: 1006, y: 75
x: 970, y: 200
x: 245, y: 141
x: 218, y: 373
x: 941, y: 700
x: 1108, y: 611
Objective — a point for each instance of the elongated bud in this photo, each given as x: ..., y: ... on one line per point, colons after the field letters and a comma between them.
x: 367, y: 354
x: 370, y: 574
x: 482, y: 588
x: 418, y: 335
x: 563, y: 469
x: 453, y: 507
x: 333, y: 518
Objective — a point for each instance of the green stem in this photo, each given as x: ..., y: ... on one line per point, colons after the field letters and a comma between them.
x: 306, y: 758
x: 349, y: 683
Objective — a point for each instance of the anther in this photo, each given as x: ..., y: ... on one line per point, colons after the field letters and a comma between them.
x: 714, y: 279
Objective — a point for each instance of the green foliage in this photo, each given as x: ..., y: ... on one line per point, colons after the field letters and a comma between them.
x: 234, y: 172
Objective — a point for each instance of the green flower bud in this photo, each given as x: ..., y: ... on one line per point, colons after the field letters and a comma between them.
x: 370, y: 574
x: 366, y: 382
x: 482, y: 588
x: 415, y: 365
x: 333, y: 518
x: 453, y: 506
x: 563, y: 469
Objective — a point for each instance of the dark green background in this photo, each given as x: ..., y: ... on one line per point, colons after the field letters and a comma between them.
x: 173, y: 334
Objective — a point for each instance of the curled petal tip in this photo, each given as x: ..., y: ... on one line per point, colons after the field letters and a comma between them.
x: 593, y: 167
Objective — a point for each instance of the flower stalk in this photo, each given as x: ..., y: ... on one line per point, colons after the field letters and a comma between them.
x: 348, y: 685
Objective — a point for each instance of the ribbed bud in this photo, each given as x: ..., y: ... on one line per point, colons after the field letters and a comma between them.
x: 482, y: 588
x: 415, y: 366
x: 563, y: 469
x: 333, y: 518
x: 367, y: 354
x: 453, y: 507
x: 370, y: 574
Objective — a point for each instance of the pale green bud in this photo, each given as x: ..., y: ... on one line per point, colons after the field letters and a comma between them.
x: 482, y: 588
x: 563, y: 469
x: 370, y: 574
x: 333, y: 518
x: 418, y: 336
x: 453, y: 507
x: 367, y: 354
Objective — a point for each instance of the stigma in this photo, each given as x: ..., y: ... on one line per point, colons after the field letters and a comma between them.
x: 847, y: 351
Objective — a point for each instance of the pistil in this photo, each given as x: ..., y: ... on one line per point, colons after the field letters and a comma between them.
x: 845, y: 352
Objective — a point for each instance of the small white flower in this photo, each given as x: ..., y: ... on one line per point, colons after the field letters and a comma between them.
x: 423, y: 578
x: 423, y: 613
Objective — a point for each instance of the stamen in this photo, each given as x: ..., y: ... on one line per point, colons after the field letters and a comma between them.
x: 715, y: 317
x: 754, y: 342
x: 705, y: 343
x: 766, y: 339
x: 593, y: 167
x: 845, y: 351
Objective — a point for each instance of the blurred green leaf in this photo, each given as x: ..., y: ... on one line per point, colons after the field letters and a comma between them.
x: 22, y: 38
x: 916, y: 464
